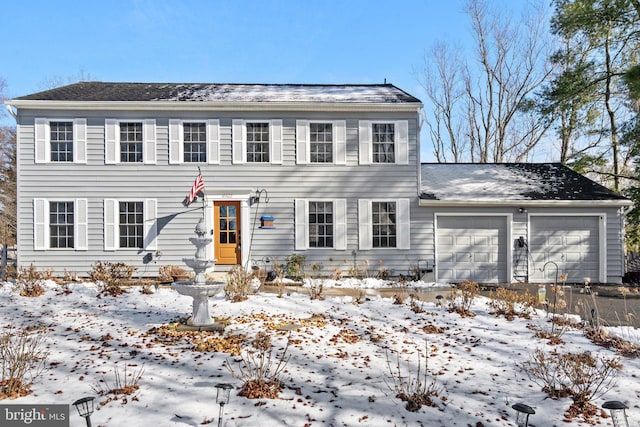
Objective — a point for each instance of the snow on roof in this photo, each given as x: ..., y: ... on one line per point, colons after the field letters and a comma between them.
x: 210, y: 92
x: 508, y: 181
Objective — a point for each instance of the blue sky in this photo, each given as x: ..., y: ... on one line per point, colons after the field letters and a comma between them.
x: 265, y: 41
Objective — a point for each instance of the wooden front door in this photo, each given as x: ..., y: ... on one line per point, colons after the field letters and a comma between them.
x: 227, y: 236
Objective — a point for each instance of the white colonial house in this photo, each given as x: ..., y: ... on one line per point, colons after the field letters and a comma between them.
x: 331, y: 172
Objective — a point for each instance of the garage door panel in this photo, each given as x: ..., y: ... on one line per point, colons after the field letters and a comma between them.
x: 479, y: 248
x: 571, y: 242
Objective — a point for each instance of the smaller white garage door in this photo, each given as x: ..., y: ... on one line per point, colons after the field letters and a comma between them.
x: 572, y: 242
x: 471, y: 248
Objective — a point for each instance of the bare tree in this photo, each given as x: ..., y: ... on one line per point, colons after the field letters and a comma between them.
x: 483, y: 105
x: 8, y: 191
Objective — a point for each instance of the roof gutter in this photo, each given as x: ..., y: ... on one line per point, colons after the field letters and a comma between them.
x: 218, y: 105
x: 526, y: 203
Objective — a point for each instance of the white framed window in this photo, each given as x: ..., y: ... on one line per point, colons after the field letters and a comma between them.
x: 59, y: 224
x: 320, y: 223
x: 320, y: 142
x: 383, y: 224
x: 130, y: 141
x: 130, y: 224
x: 257, y: 141
x: 193, y: 141
x: 383, y: 142
x: 60, y: 140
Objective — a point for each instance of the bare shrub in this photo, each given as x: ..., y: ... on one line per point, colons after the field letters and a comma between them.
x: 512, y: 304
x: 581, y: 376
x: 124, y: 383
x: 29, y: 282
x: 462, y: 297
x: 602, y: 338
x: 259, y: 370
x: 238, y: 285
x: 110, y: 277
x: 416, y: 389
x: 170, y: 273
x: 22, y: 359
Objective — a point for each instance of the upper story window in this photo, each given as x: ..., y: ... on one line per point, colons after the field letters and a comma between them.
x: 383, y: 142
x: 258, y: 142
x: 61, y: 224
x: 321, y: 142
x: 320, y: 224
x: 130, y: 142
x: 131, y: 224
x: 61, y: 141
x: 383, y: 138
x: 195, y: 142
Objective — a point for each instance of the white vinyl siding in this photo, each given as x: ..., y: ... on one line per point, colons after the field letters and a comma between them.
x: 42, y: 148
x: 176, y: 140
x: 112, y: 224
x: 401, y: 141
x: 41, y: 224
x: 339, y: 141
x: 365, y: 223
x: 112, y: 141
x: 339, y: 223
x: 239, y: 141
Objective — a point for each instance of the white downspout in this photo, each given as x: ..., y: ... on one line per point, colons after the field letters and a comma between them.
x: 11, y: 112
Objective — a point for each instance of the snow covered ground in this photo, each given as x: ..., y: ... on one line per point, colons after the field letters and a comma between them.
x: 337, y: 374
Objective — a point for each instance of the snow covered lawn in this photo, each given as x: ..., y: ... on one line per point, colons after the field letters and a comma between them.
x: 337, y: 375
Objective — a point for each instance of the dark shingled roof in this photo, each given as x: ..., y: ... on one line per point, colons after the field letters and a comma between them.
x: 211, y: 92
x: 509, y: 181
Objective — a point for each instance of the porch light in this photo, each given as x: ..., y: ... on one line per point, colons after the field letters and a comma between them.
x: 522, y: 414
x: 223, y: 394
x: 618, y: 412
x: 85, y: 408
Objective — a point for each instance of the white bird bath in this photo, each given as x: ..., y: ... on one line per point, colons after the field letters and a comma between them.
x: 200, y: 289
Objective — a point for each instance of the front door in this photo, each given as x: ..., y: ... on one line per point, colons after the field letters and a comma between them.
x: 227, y: 240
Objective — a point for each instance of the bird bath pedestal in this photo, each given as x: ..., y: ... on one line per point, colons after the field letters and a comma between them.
x: 200, y: 289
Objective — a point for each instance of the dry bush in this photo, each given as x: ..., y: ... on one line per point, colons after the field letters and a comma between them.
x: 238, y: 285
x: 581, y: 376
x: 110, y: 277
x: 512, y: 304
x: 169, y: 272
x: 125, y: 383
x: 316, y: 289
x: 22, y: 359
x: 29, y: 282
x: 602, y: 338
x: 461, y: 299
x: 416, y: 389
x: 259, y: 370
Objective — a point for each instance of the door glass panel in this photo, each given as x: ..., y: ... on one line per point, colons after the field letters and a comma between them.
x: 223, y: 211
x: 223, y: 237
x: 232, y: 237
x: 232, y: 225
x: 232, y: 211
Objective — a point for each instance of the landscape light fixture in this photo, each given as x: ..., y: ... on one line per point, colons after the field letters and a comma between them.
x: 522, y: 414
x: 618, y: 412
x: 85, y: 408
x: 223, y: 394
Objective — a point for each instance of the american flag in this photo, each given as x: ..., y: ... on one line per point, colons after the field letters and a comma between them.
x: 198, y: 186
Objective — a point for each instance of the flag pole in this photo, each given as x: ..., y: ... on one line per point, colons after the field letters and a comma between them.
x: 204, y: 218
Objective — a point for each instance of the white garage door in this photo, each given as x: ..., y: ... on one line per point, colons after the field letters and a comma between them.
x: 572, y: 242
x: 472, y: 248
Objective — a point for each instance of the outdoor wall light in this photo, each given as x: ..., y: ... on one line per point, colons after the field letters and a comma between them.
x: 223, y: 394
x: 618, y: 413
x: 85, y: 408
x: 522, y: 414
